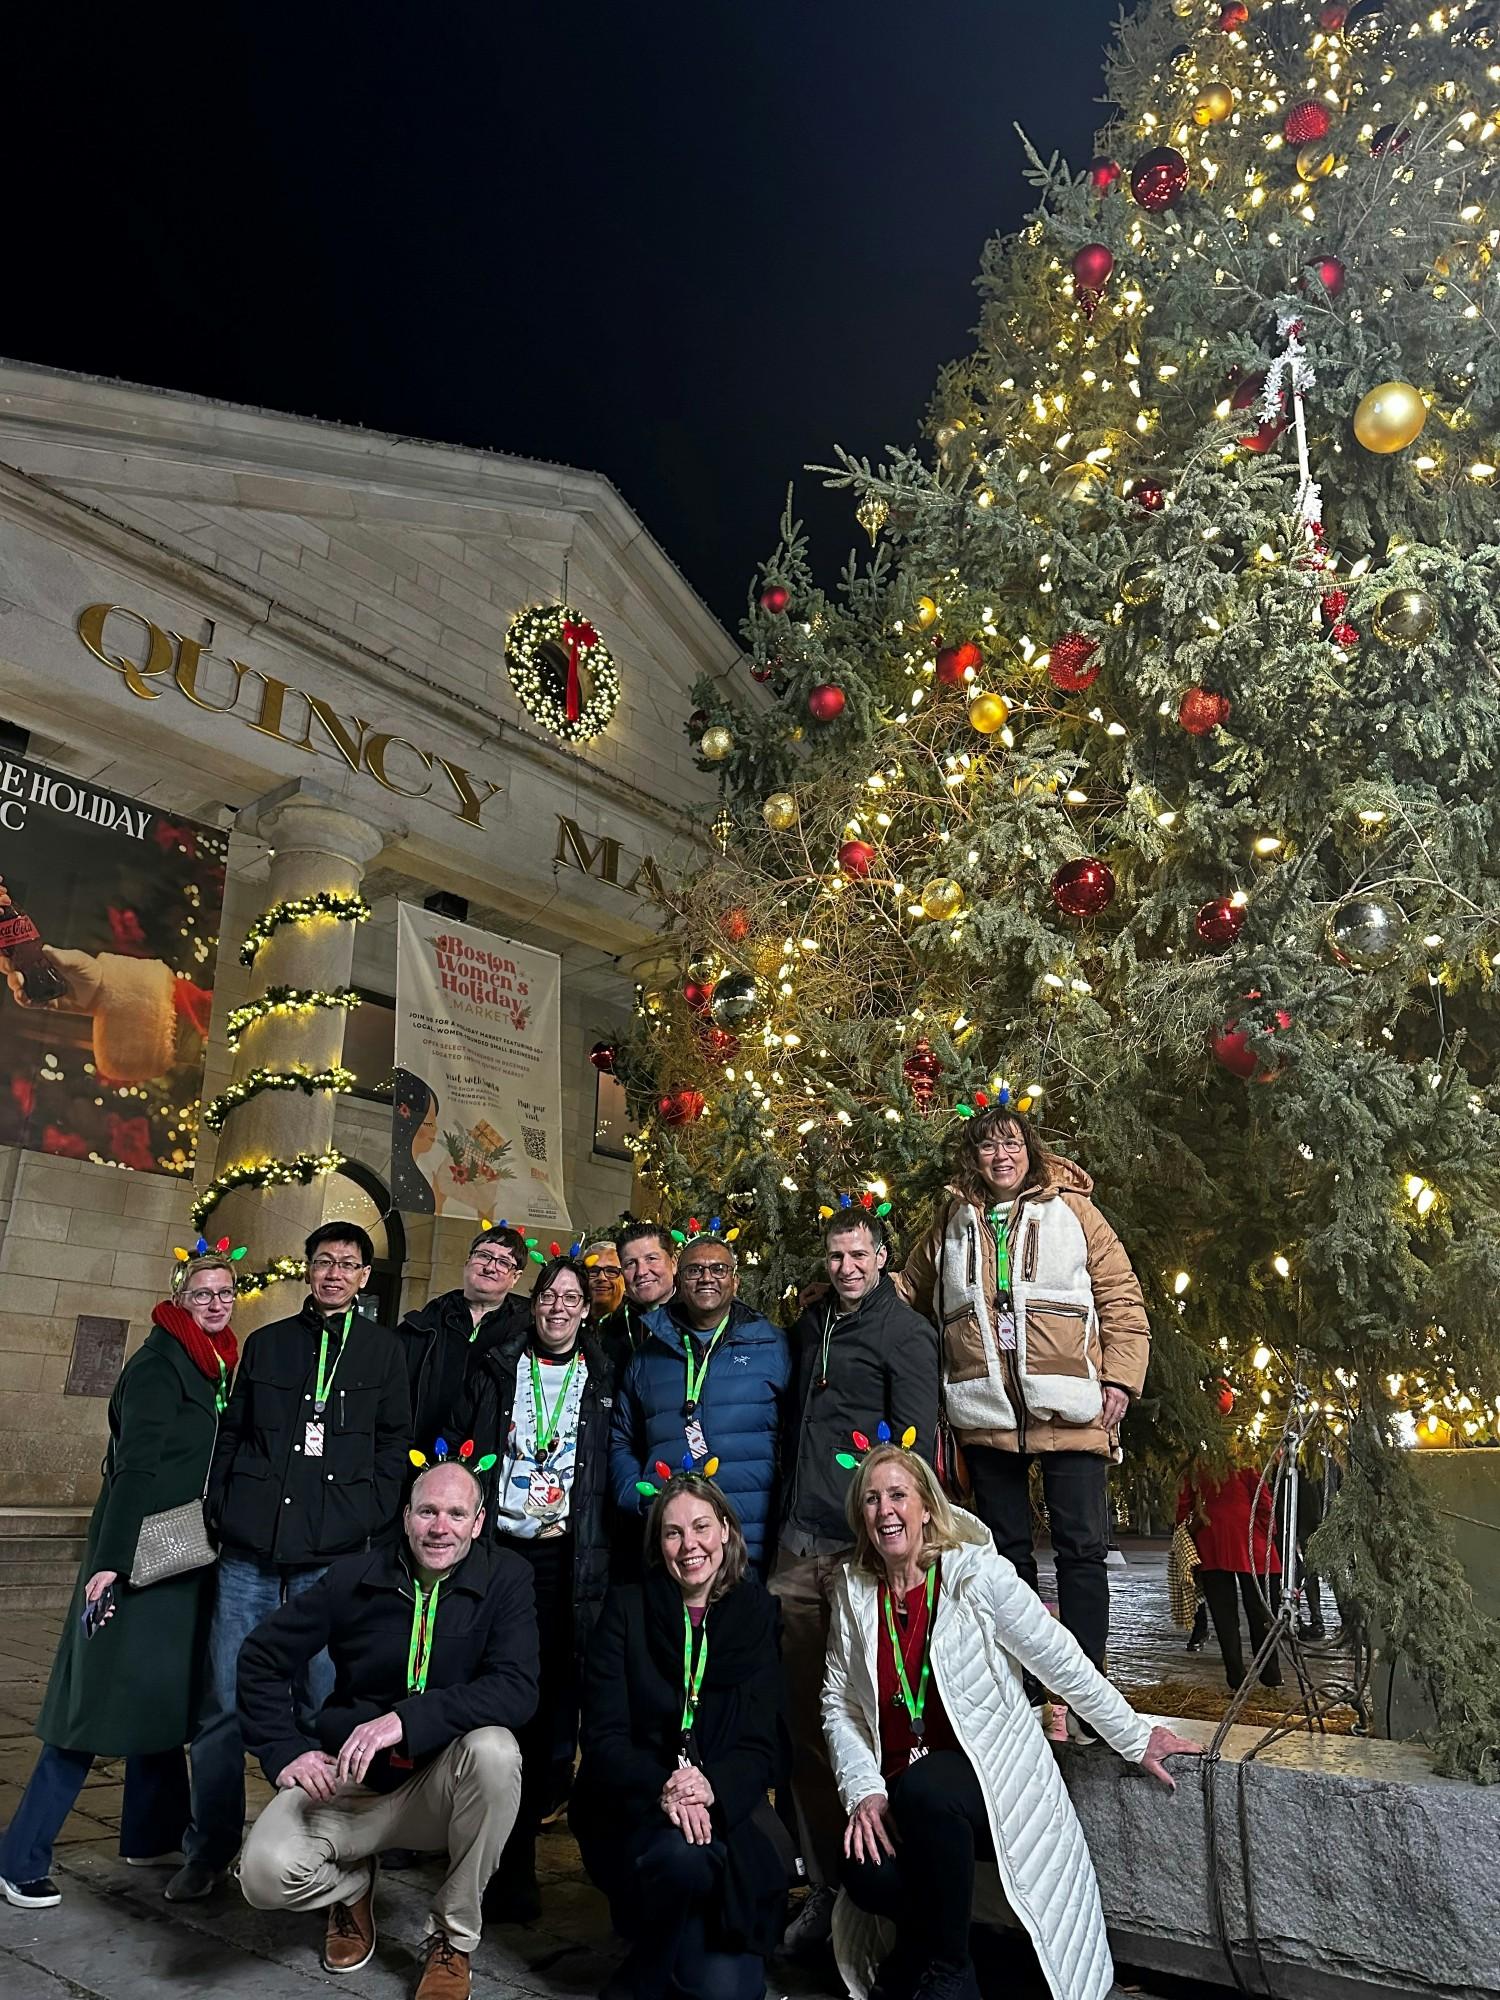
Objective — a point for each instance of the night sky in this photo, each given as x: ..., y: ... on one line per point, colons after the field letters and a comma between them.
x: 690, y: 246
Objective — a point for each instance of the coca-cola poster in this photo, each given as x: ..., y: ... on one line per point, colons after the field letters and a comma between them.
x: 476, y: 1115
x: 109, y: 933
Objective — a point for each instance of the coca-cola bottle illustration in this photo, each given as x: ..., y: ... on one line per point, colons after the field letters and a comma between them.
x: 21, y: 942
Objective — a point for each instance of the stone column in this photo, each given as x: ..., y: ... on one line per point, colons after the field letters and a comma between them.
x: 316, y: 843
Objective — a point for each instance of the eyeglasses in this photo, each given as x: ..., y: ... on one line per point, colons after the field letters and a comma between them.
x: 209, y: 1298
x: 699, y: 1269
x: 483, y: 1263
x: 343, y: 1265
x: 998, y: 1145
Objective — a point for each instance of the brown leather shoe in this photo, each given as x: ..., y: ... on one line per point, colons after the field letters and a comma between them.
x: 350, y: 1939
x: 447, y: 1973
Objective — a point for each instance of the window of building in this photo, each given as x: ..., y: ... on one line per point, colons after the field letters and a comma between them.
x: 613, y: 1124
x: 370, y: 1044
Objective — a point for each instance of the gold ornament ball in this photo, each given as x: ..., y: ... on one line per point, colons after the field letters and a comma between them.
x: 1213, y: 106
x: 927, y: 612
x: 779, y: 812
x: 704, y: 967
x: 1390, y: 417
x: 1404, y: 617
x: 655, y: 1001
x: 987, y: 713
x: 1140, y: 583
x: 1183, y: 9
x: 1084, y: 484
x: 942, y: 897
x: 1314, y: 160
x: 717, y: 744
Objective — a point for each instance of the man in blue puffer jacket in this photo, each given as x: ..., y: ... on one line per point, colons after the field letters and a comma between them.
x: 709, y: 1382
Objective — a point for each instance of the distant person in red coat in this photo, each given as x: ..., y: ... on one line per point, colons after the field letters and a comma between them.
x: 1231, y: 1522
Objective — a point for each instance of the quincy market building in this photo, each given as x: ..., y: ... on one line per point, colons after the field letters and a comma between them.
x: 296, y: 632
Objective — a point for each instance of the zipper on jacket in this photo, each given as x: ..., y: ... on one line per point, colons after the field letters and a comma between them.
x: 343, y: 1425
x: 973, y: 1254
x: 1028, y: 1260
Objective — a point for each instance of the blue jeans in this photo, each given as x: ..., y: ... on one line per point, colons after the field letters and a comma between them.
x: 152, y: 1817
x: 245, y: 1592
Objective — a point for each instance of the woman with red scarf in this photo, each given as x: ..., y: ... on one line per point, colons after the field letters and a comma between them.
x: 126, y: 1677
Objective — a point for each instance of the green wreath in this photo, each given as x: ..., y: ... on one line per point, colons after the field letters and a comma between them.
x: 551, y: 650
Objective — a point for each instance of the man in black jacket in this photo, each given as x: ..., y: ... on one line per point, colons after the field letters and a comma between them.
x: 416, y: 1743
x: 860, y: 1358
x: 448, y: 1335
x: 309, y: 1465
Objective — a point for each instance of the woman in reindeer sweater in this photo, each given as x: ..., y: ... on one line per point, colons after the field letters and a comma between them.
x: 1045, y: 1346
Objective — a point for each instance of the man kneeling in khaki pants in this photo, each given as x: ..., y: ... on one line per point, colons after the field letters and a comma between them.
x: 416, y: 1745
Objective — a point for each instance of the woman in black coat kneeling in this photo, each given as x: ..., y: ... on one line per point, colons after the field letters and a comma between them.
x: 681, y: 1739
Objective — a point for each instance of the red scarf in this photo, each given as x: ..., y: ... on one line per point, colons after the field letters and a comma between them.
x: 205, y: 1350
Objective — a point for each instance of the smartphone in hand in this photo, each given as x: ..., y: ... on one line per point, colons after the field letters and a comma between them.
x: 98, y: 1614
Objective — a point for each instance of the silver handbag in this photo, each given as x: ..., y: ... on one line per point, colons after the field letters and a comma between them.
x: 171, y: 1543
x: 175, y: 1541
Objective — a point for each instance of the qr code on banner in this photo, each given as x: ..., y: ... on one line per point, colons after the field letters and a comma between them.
x: 535, y: 1141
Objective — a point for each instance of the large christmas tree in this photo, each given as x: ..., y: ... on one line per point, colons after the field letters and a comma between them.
x: 1147, y: 768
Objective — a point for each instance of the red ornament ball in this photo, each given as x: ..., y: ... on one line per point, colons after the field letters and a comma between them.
x: 1219, y: 923
x: 1332, y: 17
x: 1159, y: 178
x: 1200, y: 712
x: 718, y: 1044
x: 697, y: 722
x: 1305, y: 122
x: 1092, y: 265
x: 1149, y: 495
x: 953, y: 662
x: 735, y: 923
x: 856, y: 857
x: 826, y: 702
x: 1245, y: 397
x: 1330, y: 274
x: 602, y: 1056
x: 1231, y: 1047
x: 1389, y: 139
x: 1083, y: 888
x: 698, y: 993
x: 764, y: 671
x: 681, y: 1107
x: 1103, y: 172
x: 1233, y: 17
x: 775, y: 598
x: 1072, y: 666
x: 1226, y: 1399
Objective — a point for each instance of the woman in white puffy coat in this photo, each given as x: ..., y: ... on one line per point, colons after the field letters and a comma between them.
x: 938, y: 1757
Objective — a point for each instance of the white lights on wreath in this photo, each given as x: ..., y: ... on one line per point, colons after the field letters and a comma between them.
x: 537, y: 649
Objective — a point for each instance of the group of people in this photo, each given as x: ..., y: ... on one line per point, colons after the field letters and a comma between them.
x: 628, y: 1516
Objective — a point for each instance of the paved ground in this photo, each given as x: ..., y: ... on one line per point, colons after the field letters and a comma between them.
x: 114, y: 1938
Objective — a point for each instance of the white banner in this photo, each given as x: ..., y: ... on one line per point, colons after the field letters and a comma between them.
x: 476, y: 1126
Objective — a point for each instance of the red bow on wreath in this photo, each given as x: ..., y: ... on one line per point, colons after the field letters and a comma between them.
x: 578, y: 636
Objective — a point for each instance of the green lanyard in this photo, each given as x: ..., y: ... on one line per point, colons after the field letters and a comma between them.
x: 325, y: 1382
x: 913, y: 1706
x: 221, y: 1394
x: 999, y: 1221
x: 697, y: 1371
x: 692, y: 1676
x: 423, y: 1626
x: 545, y: 1421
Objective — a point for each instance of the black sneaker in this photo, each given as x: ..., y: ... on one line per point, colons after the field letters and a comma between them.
x: 944, y: 1982
x: 42, y: 1894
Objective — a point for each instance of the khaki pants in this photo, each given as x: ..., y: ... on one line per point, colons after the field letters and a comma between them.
x: 303, y: 1855
x: 804, y: 1584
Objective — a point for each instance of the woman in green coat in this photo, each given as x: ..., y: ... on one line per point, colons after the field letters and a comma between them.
x: 125, y: 1680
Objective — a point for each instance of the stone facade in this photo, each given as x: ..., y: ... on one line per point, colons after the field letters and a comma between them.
x: 372, y: 580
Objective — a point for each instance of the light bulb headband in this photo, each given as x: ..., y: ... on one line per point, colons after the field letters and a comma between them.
x: 649, y: 1487
x: 694, y: 1229
x: 883, y: 1435
x: 865, y: 1200
x: 440, y: 1457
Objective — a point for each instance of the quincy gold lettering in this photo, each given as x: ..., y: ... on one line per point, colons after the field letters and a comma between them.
x: 576, y: 850
x: 158, y: 659
x: 282, y: 712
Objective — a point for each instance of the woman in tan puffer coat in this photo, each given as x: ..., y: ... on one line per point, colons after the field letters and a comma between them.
x: 1045, y: 1346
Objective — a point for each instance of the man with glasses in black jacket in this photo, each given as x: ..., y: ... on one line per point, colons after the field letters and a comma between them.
x: 309, y: 1464
x: 444, y: 1340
